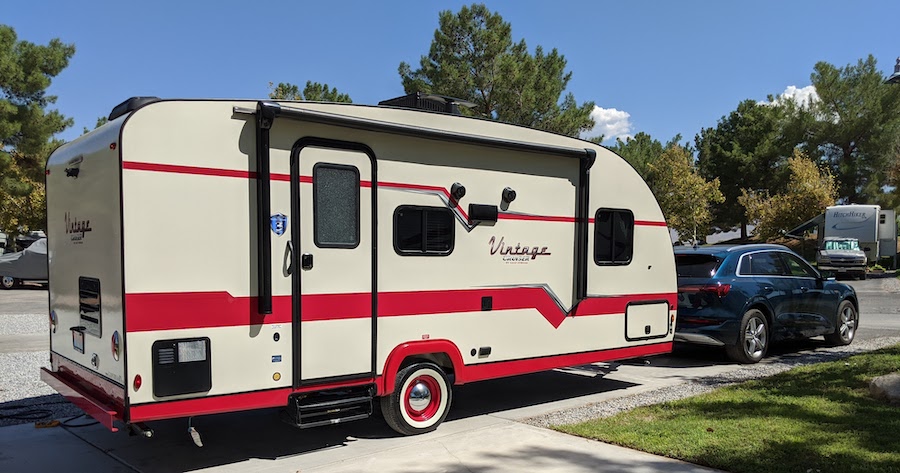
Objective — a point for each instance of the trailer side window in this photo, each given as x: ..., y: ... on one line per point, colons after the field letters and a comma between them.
x: 613, y: 236
x: 335, y: 206
x: 423, y: 231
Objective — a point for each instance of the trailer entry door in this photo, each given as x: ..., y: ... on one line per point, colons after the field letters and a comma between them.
x: 332, y: 261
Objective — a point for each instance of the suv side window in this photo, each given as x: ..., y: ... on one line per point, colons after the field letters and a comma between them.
x: 763, y: 263
x: 796, y: 267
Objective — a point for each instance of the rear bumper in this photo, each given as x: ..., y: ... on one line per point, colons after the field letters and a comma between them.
x: 90, y: 405
x: 95, y: 395
x: 720, y: 334
x: 698, y: 339
x: 842, y: 269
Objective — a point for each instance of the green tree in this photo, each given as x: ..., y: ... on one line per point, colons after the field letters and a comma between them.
x: 809, y: 190
x: 26, y: 126
x: 100, y: 122
x: 473, y: 57
x: 686, y: 198
x: 313, y: 92
x: 641, y: 150
x: 745, y: 151
x: 855, y: 128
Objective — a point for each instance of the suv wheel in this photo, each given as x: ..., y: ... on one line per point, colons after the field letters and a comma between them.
x: 753, y: 341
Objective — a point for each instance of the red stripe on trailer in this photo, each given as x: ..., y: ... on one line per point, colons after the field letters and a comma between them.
x: 186, y: 310
x: 649, y: 223
x: 226, y: 402
x: 641, y: 223
x: 463, y: 374
x: 539, y: 218
x: 503, y: 369
x: 202, y: 171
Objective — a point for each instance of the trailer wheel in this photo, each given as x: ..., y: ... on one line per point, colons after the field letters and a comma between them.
x: 9, y: 282
x: 420, y: 401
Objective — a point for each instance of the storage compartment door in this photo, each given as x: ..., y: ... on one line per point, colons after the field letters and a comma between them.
x: 646, y: 320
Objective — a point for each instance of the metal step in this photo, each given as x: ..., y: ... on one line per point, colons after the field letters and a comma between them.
x: 330, y: 407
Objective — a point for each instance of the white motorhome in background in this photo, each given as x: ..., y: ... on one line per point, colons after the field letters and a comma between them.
x: 854, y: 221
x: 383, y: 254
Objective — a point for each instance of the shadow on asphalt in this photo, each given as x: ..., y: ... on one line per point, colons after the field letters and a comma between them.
x: 236, y: 437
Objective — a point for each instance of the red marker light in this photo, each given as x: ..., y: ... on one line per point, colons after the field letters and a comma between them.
x: 137, y: 382
x: 112, y: 146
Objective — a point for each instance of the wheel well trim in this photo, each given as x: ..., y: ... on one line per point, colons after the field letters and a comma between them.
x: 402, y: 352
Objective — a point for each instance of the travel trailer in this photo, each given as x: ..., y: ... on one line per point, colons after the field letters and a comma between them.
x: 210, y: 256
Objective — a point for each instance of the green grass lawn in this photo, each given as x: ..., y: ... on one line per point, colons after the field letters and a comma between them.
x: 809, y: 419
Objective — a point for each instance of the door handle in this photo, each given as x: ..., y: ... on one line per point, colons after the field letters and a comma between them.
x: 289, y: 259
x: 804, y: 289
x: 306, y: 261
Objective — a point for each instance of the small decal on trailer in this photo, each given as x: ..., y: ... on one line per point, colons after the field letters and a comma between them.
x: 279, y: 223
x: 276, y: 358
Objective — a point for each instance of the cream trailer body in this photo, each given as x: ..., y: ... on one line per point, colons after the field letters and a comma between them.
x: 215, y: 256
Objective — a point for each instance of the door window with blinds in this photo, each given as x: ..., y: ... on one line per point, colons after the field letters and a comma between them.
x: 423, y: 231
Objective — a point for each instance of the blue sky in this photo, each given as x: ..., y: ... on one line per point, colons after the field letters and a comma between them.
x: 660, y: 67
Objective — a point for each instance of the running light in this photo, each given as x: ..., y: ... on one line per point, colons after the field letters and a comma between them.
x: 137, y: 382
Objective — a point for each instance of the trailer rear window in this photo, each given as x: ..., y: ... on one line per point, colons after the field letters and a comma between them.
x: 423, y: 231
x: 336, y: 206
x: 613, y: 236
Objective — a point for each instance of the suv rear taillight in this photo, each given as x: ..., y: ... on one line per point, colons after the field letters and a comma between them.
x: 720, y: 290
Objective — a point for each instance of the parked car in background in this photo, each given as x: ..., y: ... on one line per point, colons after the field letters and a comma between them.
x: 29, y: 265
x: 746, y: 297
x: 842, y: 256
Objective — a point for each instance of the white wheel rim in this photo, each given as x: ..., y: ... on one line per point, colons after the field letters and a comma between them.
x: 414, y: 419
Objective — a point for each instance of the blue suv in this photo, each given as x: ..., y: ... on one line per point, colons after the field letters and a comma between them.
x: 745, y: 297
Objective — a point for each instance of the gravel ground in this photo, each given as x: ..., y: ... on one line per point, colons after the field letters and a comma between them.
x: 766, y: 368
x: 24, y: 397
x: 23, y: 324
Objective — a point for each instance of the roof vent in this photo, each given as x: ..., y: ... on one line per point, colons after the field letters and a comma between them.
x: 431, y: 102
x: 130, y: 105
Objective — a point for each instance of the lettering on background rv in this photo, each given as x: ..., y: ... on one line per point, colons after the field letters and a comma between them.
x: 77, y: 228
x: 518, y: 253
x: 850, y: 214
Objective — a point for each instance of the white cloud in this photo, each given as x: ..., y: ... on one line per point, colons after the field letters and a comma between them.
x: 611, y: 123
x: 802, y: 96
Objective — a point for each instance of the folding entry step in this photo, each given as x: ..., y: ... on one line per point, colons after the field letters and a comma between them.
x: 330, y: 407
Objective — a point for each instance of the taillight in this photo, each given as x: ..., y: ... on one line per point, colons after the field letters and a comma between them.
x: 114, y: 345
x: 720, y: 290
x: 137, y: 382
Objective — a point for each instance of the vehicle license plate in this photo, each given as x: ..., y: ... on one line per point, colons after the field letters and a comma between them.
x: 78, y: 340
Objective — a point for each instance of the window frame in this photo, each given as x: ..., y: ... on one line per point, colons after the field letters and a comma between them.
x: 315, y: 205
x: 613, y: 262
x: 810, y: 272
x: 424, y: 209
